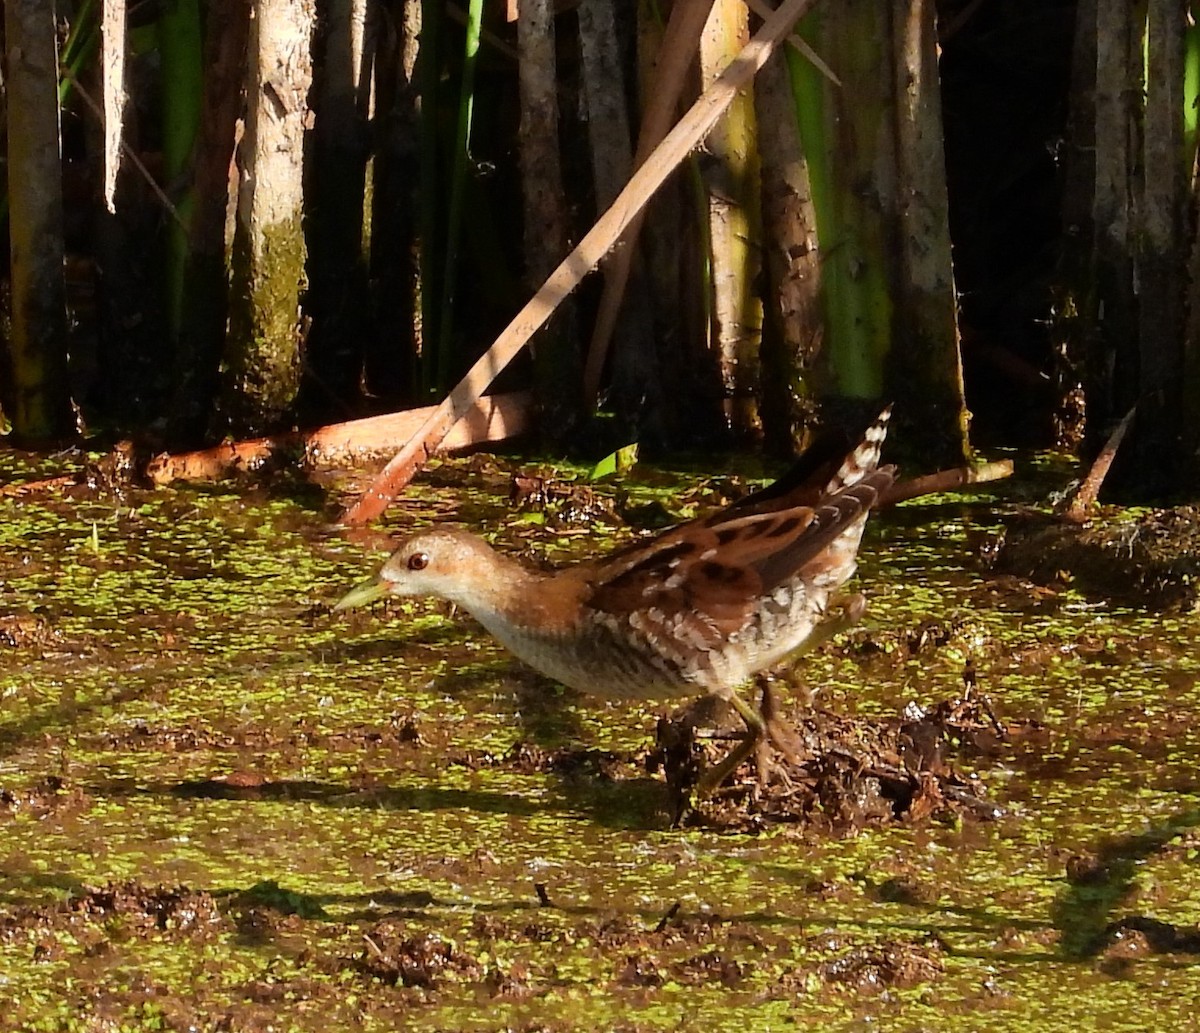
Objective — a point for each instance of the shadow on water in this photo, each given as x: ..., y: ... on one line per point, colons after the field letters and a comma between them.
x: 1096, y: 886
x: 367, y: 650
x: 27, y: 889
x: 632, y: 805
x: 331, y: 795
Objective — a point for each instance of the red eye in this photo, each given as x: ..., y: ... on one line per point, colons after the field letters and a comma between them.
x: 418, y: 561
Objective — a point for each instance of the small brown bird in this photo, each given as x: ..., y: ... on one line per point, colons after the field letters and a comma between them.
x: 698, y: 609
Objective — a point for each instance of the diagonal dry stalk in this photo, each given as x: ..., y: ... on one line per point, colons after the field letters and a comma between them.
x: 690, y: 130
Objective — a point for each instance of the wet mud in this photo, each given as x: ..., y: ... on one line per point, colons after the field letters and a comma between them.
x: 223, y: 807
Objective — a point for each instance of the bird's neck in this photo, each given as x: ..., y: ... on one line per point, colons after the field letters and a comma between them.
x: 501, y: 594
x: 496, y: 588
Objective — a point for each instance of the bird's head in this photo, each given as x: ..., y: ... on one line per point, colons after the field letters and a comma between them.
x: 449, y: 564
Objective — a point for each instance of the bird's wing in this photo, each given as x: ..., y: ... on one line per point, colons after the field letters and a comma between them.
x: 702, y: 583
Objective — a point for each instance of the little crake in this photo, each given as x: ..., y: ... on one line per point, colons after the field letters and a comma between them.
x: 700, y: 608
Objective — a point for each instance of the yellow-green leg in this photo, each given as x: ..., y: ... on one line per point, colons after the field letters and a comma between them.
x: 756, y: 729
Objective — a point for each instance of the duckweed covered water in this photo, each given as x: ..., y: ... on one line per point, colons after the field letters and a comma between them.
x: 222, y: 807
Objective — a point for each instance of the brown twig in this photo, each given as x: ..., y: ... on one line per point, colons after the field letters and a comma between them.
x: 90, y: 103
x: 1089, y: 488
x: 946, y: 480
x: 798, y: 44
x: 668, y: 917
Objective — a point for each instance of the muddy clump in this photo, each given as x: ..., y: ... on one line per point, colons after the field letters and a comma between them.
x: 843, y: 774
x: 48, y: 795
x: 98, y: 918
x: 395, y: 957
x: 1152, y: 559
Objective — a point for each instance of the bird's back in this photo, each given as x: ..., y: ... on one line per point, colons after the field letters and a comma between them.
x: 706, y: 605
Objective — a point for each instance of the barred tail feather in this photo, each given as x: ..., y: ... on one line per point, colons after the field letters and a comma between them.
x: 864, y: 458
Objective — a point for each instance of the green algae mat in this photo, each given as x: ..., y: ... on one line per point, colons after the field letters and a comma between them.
x: 223, y: 807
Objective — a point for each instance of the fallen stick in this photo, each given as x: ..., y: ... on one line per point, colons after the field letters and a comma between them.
x: 690, y: 130
x: 8, y: 491
x: 492, y: 418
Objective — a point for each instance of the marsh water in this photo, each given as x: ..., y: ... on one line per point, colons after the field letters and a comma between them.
x: 223, y: 807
